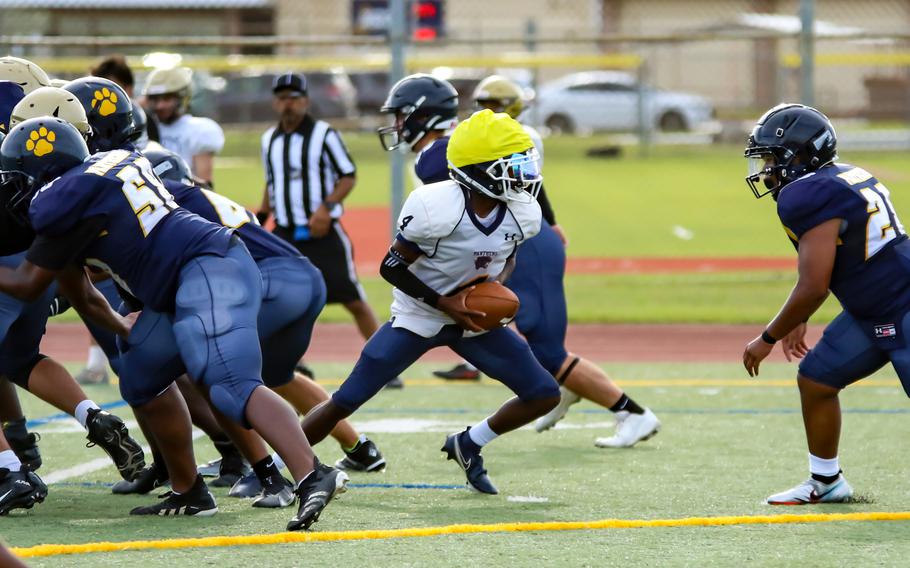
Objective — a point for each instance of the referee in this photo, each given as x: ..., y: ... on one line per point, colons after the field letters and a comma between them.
x: 308, y: 175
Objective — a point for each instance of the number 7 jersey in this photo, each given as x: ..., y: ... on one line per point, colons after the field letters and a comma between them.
x: 871, y: 275
x: 144, y: 238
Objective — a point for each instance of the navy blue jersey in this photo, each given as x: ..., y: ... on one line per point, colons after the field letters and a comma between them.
x: 431, y: 165
x: 871, y: 275
x: 219, y: 209
x: 143, y: 238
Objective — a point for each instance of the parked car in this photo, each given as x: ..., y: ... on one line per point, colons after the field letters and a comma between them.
x: 248, y: 98
x: 608, y: 100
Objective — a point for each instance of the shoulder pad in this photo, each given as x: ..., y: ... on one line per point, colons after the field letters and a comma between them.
x: 435, y: 209
x: 528, y: 216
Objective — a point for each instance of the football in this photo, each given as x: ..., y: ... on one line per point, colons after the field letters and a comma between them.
x: 498, y: 302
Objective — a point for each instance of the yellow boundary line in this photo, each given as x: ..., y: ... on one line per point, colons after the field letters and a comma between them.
x: 334, y: 536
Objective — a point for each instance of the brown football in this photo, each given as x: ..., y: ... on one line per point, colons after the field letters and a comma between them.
x: 498, y: 302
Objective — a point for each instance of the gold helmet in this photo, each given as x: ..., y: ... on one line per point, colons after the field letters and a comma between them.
x: 177, y: 80
x: 23, y: 72
x: 499, y: 94
x: 51, y: 101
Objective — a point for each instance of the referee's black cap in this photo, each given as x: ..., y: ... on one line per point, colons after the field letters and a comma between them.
x: 292, y: 81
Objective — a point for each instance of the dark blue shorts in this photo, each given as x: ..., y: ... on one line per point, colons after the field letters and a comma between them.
x: 500, y: 353
x: 538, y: 282
x: 22, y: 325
x: 846, y: 354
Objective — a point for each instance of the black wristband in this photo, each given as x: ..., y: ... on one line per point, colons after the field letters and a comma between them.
x: 766, y: 337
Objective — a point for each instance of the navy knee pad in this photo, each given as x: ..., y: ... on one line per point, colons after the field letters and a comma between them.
x: 20, y: 375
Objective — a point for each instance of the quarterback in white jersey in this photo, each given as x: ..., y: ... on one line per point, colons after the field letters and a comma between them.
x: 454, y: 234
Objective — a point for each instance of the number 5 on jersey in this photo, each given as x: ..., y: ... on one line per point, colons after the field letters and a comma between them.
x: 147, y: 195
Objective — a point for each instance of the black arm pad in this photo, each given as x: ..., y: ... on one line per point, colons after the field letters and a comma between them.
x: 59, y: 305
x: 545, y: 208
x: 395, y: 271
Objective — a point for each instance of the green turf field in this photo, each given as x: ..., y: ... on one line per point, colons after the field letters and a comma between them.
x: 727, y: 443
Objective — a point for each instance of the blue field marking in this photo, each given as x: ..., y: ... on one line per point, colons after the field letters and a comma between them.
x: 61, y: 415
x: 105, y: 484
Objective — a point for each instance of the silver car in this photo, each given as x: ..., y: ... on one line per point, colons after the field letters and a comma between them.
x: 608, y: 100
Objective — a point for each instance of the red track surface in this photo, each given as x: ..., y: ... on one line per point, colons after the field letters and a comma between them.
x: 604, y: 343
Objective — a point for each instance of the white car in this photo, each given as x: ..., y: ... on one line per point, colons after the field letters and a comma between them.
x: 608, y: 100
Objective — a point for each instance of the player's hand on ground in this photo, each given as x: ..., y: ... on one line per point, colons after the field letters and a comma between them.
x: 794, y: 344
x: 320, y: 221
x: 456, y: 309
x: 755, y: 353
x: 561, y: 234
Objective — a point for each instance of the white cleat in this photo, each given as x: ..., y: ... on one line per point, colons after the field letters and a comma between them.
x: 630, y: 429
x: 547, y: 421
x: 813, y: 491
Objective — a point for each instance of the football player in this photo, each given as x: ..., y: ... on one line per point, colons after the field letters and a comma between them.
x: 24, y: 73
x: 452, y: 235
x: 421, y: 100
x: 195, y: 139
x: 849, y: 240
x: 111, y: 211
x: 22, y: 325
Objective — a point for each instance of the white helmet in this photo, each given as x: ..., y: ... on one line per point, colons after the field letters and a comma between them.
x: 23, y: 72
x: 51, y: 101
x: 177, y: 80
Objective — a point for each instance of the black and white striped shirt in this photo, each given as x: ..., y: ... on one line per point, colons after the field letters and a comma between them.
x: 301, y: 169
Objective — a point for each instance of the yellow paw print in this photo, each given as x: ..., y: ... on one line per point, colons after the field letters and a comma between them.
x: 39, y: 141
x: 106, y: 100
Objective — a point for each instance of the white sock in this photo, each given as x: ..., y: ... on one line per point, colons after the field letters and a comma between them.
x: 820, y: 466
x: 481, y: 434
x: 469, y: 366
x: 279, y: 463
x: 9, y: 460
x: 97, y: 360
x: 82, y: 409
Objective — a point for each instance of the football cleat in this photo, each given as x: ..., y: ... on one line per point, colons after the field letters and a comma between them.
x: 813, y: 491
x: 210, y: 468
x: 276, y: 493
x: 89, y: 377
x: 467, y: 455
x: 149, y: 479
x: 231, y: 469
x: 631, y: 429
x: 20, y: 489
x: 23, y: 443
x: 110, y: 433
x: 246, y: 487
x: 395, y: 384
x: 364, y: 457
x: 198, y: 502
x: 548, y: 420
x: 460, y: 372
x: 315, y: 491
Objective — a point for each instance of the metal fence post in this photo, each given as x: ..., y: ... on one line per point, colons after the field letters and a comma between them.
x: 397, y: 42
x: 807, y: 51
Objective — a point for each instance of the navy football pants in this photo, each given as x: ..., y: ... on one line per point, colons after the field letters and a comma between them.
x: 21, y: 327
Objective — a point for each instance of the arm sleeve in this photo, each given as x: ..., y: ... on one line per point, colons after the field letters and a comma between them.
x: 57, y: 252
x: 338, y: 154
x: 395, y: 271
x: 545, y: 208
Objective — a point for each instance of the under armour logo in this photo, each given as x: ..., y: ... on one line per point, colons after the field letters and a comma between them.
x: 511, y: 236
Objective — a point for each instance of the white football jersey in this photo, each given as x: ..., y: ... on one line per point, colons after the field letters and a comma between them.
x: 458, y: 248
x: 190, y: 135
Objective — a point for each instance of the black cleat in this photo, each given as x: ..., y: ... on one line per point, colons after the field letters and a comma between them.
x: 110, y: 433
x: 210, y: 468
x: 20, y: 489
x: 197, y: 502
x: 460, y: 372
x: 150, y: 478
x: 467, y: 455
x: 23, y: 443
x: 364, y: 457
x: 233, y: 467
x: 246, y: 487
x: 276, y: 493
x: 315, y: 491
x: 395, y: 384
